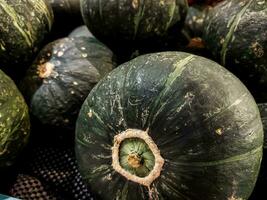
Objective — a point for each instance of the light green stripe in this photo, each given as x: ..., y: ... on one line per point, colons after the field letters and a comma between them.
x: 15, y: 18
x: 42, y: 8
x: 171, y: 14
x: 232, y: 29
x: 138, y: 17
x: 224, y: 161
x: 179, y: 66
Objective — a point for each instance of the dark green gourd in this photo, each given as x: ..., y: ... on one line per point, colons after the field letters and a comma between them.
x: 61, y: 77
x: 236, y: 34
x: 136, y: 24
x: 176, y: 125
x: 14, y: 122
x: 24, y: 25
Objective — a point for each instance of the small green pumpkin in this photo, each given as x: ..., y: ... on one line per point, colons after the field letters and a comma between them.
x: 126, y: 25
x: 24, y: 25
x: 14, y: 122
x: 169, y: 125
x: 235, y: 32
x: 61, y: 77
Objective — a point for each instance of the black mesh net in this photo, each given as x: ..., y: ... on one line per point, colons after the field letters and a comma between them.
x: 49, y: 173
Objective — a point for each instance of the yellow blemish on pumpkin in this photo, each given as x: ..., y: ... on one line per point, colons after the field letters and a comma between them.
x: 90, y: 114
x: 219, y: 131
x: 135, y: 4
x: 257, y: 49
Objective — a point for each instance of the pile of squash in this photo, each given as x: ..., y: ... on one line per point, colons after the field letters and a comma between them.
x: 161, y: 99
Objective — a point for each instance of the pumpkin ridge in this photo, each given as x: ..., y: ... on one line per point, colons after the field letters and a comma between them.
x: 232, y: 29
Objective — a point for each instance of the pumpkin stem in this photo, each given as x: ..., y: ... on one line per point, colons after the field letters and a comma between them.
x: 136, y: 157
x: 134, y: 160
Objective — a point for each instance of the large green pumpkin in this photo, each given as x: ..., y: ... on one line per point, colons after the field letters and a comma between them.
x: 169, y: 125
x: 134, y: 24
x: 24, y: 25
x: 14, y: 121
x: 62, y: 76
x: 235, y: 32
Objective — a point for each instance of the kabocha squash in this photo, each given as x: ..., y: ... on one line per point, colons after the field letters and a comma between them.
x: 24, y: 25
x: 81, y: 31
x: 236, y: 34
x: 61, y: 77
x: 263, y: 111
x: 176, y: 125
x: 14, y: 122
x: 137, y: 24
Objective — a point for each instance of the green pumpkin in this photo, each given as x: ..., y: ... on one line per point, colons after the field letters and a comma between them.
x: 169, y: 125
x: 14, y: 122
x: 235, y: 32
x: 24, y: 25
x: 62, y: 76
x: 126, y: 26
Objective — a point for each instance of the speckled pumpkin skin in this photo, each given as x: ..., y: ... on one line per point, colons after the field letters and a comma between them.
x: 203, y: 120
x: 236, y: 33
x: 23, y: 27
x: 14, y: 122
x: 76, y: 65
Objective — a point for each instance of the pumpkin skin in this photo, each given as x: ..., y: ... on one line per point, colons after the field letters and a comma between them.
x: 126, y: 25
x: 235, y: 33
x: 263, y: 112
x: 24, y: 25
x: 195, y: 18
x: 204, y: 121
x: 61, y: 77
x: 14, y: 122
x: 81, y: 31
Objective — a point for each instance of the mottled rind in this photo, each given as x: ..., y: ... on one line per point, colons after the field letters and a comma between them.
x: 62, y: 76
x: 135, y: 24
x: 203, y: 120
x: 236, y: 33
x: 23, y: 27
x: 14, y: 121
